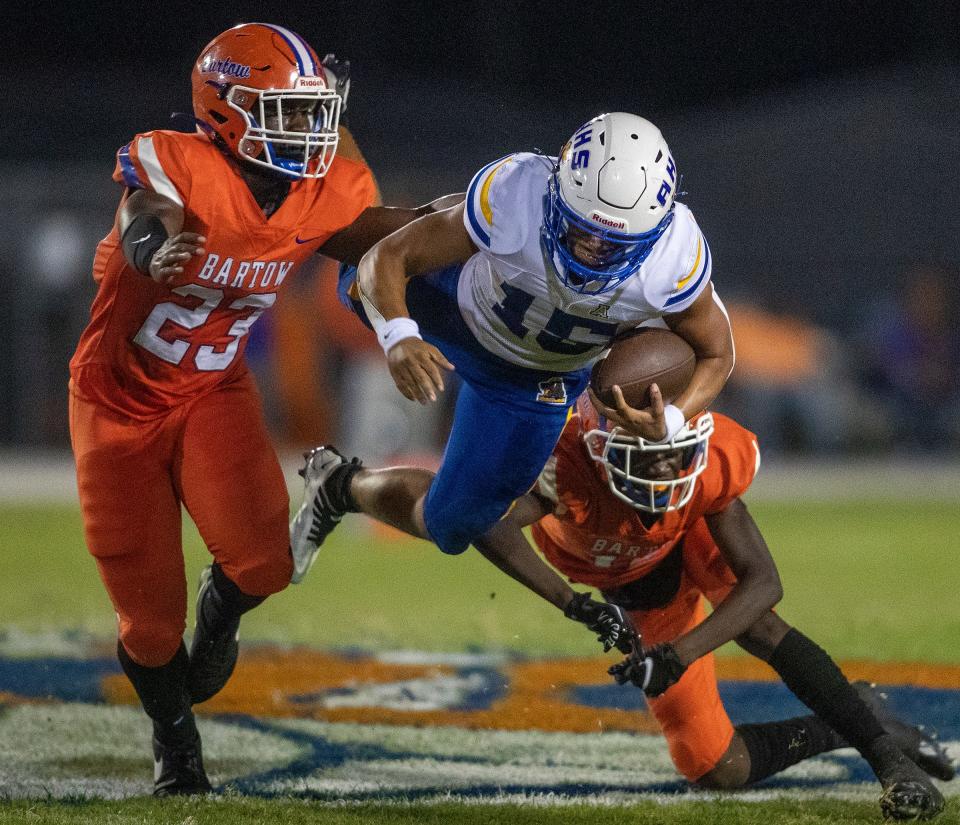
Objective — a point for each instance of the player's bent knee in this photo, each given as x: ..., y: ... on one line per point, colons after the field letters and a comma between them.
x: 150, y: 644
x: 700, y: 737
x: 721, y: 778
x: 731, y: 770
x: 693, y: 761
x: 262, y: 576
x: 453, y: 528
x: 454, y: 536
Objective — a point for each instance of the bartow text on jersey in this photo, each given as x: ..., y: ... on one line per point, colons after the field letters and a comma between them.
x: 243, y: 274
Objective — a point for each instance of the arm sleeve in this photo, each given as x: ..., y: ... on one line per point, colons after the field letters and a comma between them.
x: 686, y: 269
x: 153, y: 161
x: 494, y: 214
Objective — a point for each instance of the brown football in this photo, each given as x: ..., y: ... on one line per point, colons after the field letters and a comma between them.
x: 639, y: 358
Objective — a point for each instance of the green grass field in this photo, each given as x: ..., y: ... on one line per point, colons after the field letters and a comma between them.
x: 866, y: 580
x: 255, y: 812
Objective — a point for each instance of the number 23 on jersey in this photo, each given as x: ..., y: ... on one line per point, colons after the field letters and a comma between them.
x: 207, y: 357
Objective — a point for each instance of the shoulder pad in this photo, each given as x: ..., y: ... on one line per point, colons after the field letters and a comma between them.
x: 680, y: 266
x: 733, y: 462
x: 500, y: 201
x: 155, y: 161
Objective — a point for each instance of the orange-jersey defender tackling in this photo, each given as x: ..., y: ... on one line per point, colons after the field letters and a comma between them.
x: 211, y: 225
x: 656, y: 527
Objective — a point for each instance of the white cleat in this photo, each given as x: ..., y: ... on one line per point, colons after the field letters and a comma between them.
x: 317, y: 515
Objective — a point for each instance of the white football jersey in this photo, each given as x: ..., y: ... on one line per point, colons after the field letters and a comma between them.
x: 512, y: 299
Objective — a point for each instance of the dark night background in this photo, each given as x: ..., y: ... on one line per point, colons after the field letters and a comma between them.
x: 85, y: 76
x: 818, y: 139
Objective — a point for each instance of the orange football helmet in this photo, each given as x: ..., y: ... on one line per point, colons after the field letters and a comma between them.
x: 261, y: 94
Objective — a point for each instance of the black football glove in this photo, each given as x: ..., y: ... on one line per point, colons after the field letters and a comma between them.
x: 337, y: 73
x: 653, y: 670
x: 610, y: 622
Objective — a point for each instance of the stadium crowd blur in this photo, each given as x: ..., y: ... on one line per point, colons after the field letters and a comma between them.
x: 823, y: 168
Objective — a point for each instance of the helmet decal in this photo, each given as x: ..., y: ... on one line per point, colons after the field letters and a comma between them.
x: 225, y: 66
x: 301, y: 51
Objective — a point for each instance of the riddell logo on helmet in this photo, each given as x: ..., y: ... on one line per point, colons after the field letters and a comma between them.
x: 225, y: 66
x: 603, y: 220
x: 311, y: 83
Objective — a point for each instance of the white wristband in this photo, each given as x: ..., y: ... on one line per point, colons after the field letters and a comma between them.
x: 674, y: 419
x: 395, y: 330
x: 388, y: 332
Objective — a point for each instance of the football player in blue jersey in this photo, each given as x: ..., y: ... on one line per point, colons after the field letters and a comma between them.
x: 520, y: 288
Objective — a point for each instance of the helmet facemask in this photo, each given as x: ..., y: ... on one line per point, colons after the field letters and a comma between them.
x: 625, y: 456
x: 299, y: 153
x: 618, y: 254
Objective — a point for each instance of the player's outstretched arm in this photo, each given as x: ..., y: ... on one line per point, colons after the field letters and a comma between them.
x: 428, y: 244
x: 757, y: 589
x: 437, y: 240
x: 151, y: 238
x: 505, y: 546
x: 376, y: 222
x: 705, y: 326
x: 350, y: 244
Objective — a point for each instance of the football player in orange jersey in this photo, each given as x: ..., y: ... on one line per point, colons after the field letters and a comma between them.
x: 655, y: 527
x: 209, y: 228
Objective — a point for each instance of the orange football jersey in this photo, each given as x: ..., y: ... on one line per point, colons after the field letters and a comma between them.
x: 596, y: 539
x: 148, y: 346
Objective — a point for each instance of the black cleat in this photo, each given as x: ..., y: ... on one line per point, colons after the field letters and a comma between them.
x: 908, y: 792
x: 178, y: 769
x: 916, y: 743
x: 318, y: 514
x: 213, y: 655
x: 910, y: 800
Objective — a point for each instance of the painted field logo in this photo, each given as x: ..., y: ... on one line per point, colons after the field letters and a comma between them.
x: 399, y: 727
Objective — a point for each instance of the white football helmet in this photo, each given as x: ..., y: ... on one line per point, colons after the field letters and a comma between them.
x: 624, y: 456
x: 615, y: 181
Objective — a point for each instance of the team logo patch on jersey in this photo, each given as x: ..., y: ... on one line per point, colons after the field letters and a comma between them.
x: 602, y: 311
x: 552, y: 391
